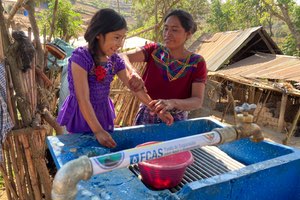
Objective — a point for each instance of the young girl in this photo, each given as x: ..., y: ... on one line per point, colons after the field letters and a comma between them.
x: 91, y: 69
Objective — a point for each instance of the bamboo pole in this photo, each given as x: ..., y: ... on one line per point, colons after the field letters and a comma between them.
x: 133, y: 111
x: 8, y: 186
x: 3, y: 172
x: 38, y: 149
x: 15, y: 168
x: 121, y: 112
x: 31, y: 167
x: 20, y: 163
x: 127, y: 112
x: 9, y: 167
x: 28, y: 180
x: 9, y: 91
x: 10, y: 190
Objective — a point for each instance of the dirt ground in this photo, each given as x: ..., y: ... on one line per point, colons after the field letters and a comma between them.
x: 3, y: 194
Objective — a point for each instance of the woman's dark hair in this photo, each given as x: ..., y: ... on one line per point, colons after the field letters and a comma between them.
x: 104, y: 21
x: 185, y: 18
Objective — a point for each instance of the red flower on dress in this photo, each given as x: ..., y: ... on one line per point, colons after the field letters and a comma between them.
x: 100, y: 73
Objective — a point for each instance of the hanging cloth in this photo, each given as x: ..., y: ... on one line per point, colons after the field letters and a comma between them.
x: 6, y: 123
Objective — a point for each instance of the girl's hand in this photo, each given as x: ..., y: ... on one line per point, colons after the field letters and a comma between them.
x: 166, y: 118
x: 105, y: 139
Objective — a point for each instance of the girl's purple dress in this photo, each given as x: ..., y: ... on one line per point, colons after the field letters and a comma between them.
x: 70, y: 114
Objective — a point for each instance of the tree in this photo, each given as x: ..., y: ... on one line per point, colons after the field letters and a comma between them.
x: 237, y: 14
x: 218, y: 19
x: 67, y: 23
x: 148, y: 13
x: 289, y: 12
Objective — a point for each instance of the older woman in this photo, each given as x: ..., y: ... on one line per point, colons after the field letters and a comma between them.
x: 174, y: 76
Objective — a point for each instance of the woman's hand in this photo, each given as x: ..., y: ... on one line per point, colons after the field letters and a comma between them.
x: 136, y: 83
x: 105, y: 139
x: 161, y: 105
x: 166, y: 118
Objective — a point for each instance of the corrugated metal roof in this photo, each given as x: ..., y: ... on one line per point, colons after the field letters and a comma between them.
x: 219, y: 48
x: 265, y: 66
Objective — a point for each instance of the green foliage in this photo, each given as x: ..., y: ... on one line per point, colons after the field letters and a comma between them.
x: 296, y: 16
x: 219, y: 18
x: 289, y: 46
x: 144, y: 13
x: 235, y: 14
x: 67, y: 24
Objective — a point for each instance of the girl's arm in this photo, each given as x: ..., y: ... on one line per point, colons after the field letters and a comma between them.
x: 85, y: 106
x: 144, y: 97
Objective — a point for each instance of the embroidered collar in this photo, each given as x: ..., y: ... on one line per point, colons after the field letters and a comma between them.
x: 174, y: 68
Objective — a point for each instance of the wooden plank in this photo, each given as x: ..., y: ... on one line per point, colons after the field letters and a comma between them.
x: 282, y: 112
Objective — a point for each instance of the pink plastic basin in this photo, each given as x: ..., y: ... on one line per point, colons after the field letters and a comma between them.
x: 165, y: 172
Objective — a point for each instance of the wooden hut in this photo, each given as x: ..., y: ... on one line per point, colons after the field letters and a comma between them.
x: 251, y: 65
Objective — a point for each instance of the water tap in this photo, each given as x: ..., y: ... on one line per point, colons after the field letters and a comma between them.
x: 246, y: 127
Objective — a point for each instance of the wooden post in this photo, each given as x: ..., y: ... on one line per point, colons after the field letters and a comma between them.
x: 251, y: 95
x: 282, y: 112
x: 289, y: 134
x: 1, y: 48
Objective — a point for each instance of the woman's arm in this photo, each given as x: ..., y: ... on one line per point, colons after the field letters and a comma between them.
x: 85, y: 106
x: 144, y: 97
x: 136, y: 55
x: 192, y: 103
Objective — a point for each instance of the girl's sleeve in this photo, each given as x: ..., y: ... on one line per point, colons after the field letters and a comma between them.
x: 200, y: 72
x: 83, y: 58
x: 148, y: 49
x: 119, y: 63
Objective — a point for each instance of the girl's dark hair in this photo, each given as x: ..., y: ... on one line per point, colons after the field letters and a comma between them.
x: 104, y: 21
x: 185, y: 18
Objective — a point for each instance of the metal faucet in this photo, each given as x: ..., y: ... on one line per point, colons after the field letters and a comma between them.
x: 245, y: 127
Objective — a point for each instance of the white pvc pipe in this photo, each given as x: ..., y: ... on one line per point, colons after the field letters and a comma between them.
x: 121, y: 159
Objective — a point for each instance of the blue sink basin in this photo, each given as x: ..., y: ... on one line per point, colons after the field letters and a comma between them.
x: 271, y: 171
